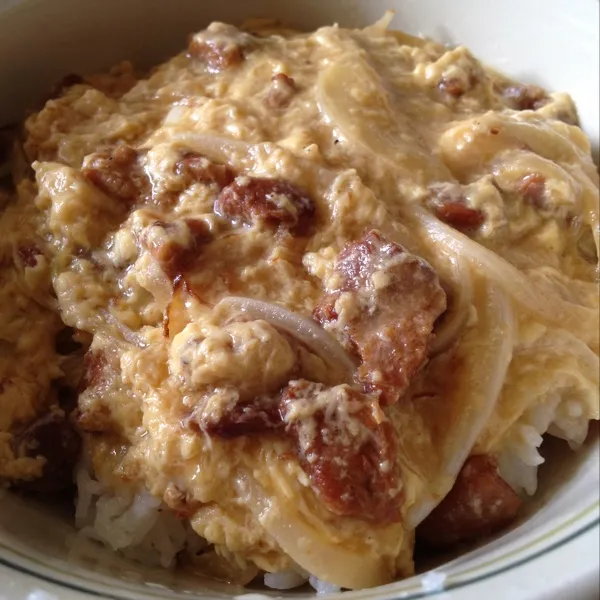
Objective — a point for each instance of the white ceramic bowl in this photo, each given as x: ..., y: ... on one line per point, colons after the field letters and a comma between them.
x: 553, y: 552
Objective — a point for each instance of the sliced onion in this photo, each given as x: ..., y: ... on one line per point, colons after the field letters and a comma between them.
x: 310, y: 333
x: 581, y: 321
x: 216, y: 148
x: 384, y: 21
x: 473, y: 392
x: 467, y: 147
x: 310, y: 548
x: 590, y: 200
x: 456, y: 317
x: 354, y: 99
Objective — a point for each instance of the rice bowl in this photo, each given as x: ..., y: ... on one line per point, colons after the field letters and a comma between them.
x: 148, y: 530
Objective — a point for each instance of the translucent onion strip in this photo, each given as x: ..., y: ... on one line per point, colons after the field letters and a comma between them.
x: 353, y: 98
x: 457, y: 315
x: 384, y: 21
x: 486, y: 352
x: 468, y: 148
x: 580, y: 320
x: 312, y: 335
x: 310, y: 548
x: 219, y: 149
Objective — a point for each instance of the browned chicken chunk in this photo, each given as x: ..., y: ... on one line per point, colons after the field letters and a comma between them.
x: 393, y: 299
x: 480, y: 503
x: 270, y: 202
x: 347, y: 447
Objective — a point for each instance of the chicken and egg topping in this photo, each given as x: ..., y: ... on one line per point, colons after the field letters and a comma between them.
x: 305, y: 292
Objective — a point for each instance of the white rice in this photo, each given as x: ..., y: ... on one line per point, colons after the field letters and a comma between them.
x: 285, y: 580
x: 139, y: 525
x: 519, y: 457
x: 433, y: 581
x: 323, y: 587
x: 293, y: 578
x: 142, y: 528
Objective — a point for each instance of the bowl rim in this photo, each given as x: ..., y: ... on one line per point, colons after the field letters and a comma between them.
x: 586, y: 520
